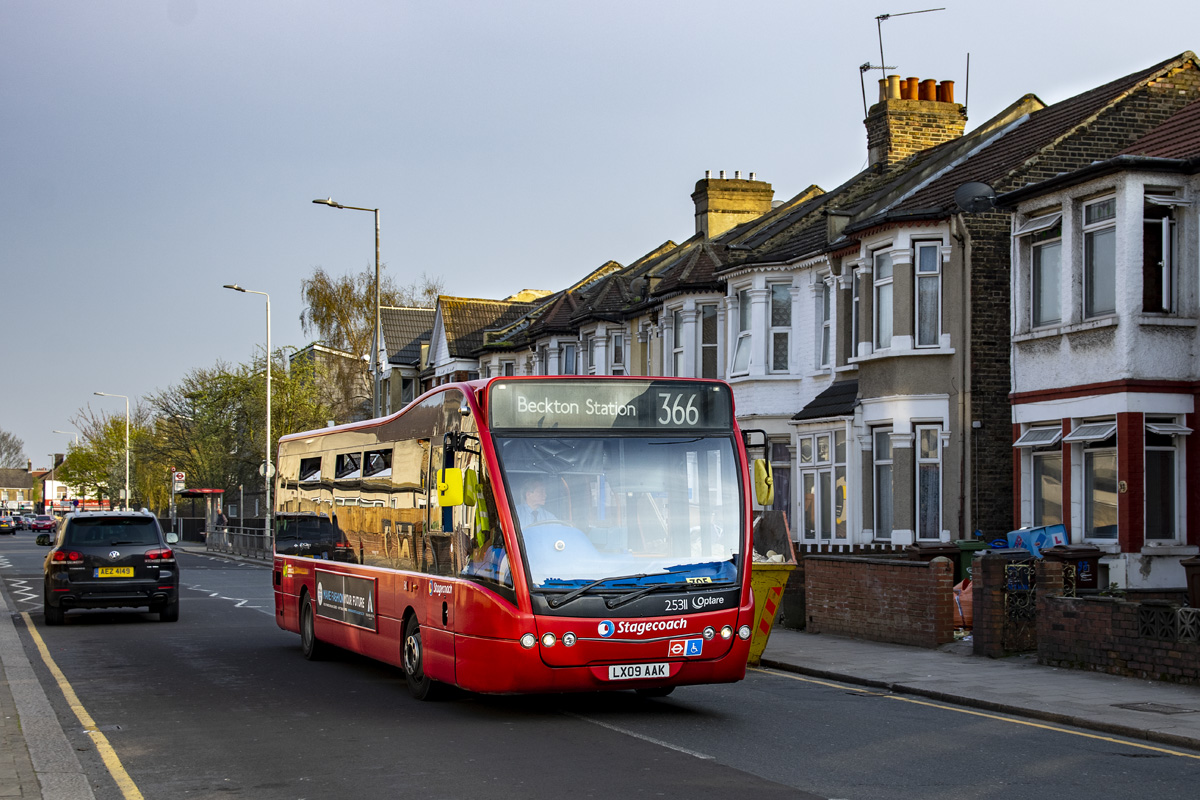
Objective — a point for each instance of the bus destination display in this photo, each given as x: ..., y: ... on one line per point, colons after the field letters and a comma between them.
x: 645, y: 405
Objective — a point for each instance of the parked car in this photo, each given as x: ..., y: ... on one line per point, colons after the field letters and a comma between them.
x: 43, y: 522
x: 7, y: 525
x: 111, y: 559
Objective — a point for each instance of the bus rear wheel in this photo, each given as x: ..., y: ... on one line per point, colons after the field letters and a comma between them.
x: 419, y: 684
x: 312, y: 647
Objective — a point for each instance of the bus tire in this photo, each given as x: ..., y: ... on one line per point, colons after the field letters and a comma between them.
x: 311, y: 647
x: 419, y: 684
x: 657, y: 691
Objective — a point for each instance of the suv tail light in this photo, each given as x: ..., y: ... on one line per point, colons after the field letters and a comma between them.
x: 160, y: 556
x: 67, y: 557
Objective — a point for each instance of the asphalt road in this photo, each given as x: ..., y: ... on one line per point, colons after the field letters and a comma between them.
x: 221, y: 704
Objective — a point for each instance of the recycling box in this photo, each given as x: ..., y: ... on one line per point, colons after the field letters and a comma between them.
x: 1037, y: 539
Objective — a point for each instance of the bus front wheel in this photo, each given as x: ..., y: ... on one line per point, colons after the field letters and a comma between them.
x: 312, y: 647
x: 419, y: 684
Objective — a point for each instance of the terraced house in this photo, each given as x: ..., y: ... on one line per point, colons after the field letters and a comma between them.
x: 864, y: 328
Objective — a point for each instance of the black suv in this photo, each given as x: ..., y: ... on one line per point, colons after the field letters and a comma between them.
x: 111, y: 559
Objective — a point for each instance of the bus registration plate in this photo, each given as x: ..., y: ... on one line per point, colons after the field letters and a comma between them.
x: 625, y: 672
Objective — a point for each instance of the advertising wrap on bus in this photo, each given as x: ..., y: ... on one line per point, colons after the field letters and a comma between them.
x: 525, y: 535
x: 346, y: 598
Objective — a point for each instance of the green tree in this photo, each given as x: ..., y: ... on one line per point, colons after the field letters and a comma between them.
x: 340, y: 311
x: 212, y: 425
x: 96, y: 466
x: 12, y: 451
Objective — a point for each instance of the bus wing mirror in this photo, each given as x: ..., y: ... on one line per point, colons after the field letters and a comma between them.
x: 764, y: 482
x: 450, y: 487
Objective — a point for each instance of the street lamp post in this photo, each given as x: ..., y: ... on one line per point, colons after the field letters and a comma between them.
x: 268, y: 472
x: 128, y: 494
x: 377, y: 368
x: 69, y: 433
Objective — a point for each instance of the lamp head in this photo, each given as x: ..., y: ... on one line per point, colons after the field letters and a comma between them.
x: 234, y: 286
x: 328, y: 201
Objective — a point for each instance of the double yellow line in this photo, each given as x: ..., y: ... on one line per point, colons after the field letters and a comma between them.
x: 999, y: 718
x: 129, y: 789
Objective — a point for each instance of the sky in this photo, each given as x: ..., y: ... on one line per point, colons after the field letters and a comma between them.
x: 153, y: 150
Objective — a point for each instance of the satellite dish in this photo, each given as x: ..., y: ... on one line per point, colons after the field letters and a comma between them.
x: 974, y: 197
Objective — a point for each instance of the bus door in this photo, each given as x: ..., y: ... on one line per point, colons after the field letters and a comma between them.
x: 440, y: 551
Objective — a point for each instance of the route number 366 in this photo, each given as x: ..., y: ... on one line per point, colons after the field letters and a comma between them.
x: 674, y: 412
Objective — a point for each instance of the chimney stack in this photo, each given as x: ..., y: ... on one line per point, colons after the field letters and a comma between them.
x: 723, y: 203
x: 912, y: 115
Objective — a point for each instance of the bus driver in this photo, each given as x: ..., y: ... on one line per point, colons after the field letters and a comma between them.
x: 532, y: 508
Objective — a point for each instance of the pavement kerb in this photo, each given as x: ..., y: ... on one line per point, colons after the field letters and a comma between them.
x: 1085, y: 723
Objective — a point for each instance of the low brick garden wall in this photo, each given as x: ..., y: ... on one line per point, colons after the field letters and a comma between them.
x: 881, y: 600
x: 1153, y: 640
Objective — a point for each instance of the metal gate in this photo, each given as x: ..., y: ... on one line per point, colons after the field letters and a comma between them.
x: 1020, y: 604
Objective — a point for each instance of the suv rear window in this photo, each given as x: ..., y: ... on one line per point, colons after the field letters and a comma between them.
x: 112, y: 530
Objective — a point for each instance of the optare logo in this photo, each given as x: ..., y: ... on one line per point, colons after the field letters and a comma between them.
x: 606, y: 628
x: 320, y: 595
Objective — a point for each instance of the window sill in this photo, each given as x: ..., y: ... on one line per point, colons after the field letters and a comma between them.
x: 772, y: 376
x: 879, y: 355
x: 1090, y: 325
x: 1040, y: 333
x: 1106, y: 546
x: 1169, y: 549
x: 1165, y: 321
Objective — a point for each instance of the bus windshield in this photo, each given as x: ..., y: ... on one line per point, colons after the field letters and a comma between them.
x: 624, y: 510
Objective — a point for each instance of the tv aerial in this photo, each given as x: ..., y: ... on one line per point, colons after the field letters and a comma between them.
x: 883, y: 66
x: 975, y: 197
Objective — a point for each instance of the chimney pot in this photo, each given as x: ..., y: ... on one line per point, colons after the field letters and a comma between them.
x: 910, y: 91
x: 751, y: 176
x: 928, y: 89
x: 947, y: 91
x: 893, y: 90
x: 722, y: 174
x: 737, y: 174
x: 883, y: 89
x: 707, y: 174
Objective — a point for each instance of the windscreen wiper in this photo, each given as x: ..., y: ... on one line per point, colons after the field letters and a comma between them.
x: 614, y: 602
x: 582, y: 590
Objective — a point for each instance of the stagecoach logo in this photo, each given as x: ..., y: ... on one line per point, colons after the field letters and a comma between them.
x: 436, y: 589
x: 606, y: 628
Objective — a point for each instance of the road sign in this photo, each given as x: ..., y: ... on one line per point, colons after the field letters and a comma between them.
x: 179, y: 477
x: 266, y: 470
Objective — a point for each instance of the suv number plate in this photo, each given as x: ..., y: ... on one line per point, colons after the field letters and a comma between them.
x: 114, y: 572
x: 625, y: 672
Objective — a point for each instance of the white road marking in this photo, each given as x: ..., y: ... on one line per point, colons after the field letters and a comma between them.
x: 643, y: 737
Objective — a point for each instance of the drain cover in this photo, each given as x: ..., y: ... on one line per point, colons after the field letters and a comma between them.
x: 1157, y: 708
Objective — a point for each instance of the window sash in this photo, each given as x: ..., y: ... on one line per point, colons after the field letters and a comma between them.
x: 882, y: 454
x: 1168, y: 428
x: 1099, y: 494
x: 929, y: 482
x: 1099, y: 258
x: 1039, y: 437
x: 826, y: 316
x: 1161, y: 493
x: 781, y: 325
x: 1091, y: 432
x: 1045, y: 283
x: 1038, y: 224
x: 1047, y: 488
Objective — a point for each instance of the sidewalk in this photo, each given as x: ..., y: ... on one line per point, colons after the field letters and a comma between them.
x: 1159, y: 712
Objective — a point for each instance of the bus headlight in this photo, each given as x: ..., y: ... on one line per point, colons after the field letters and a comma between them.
x: 727, y: 632
x: 528, y: 641
x: 569, y: 639
x: 744, y: 632
x: 548, y: 640
x: 709, y: 633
